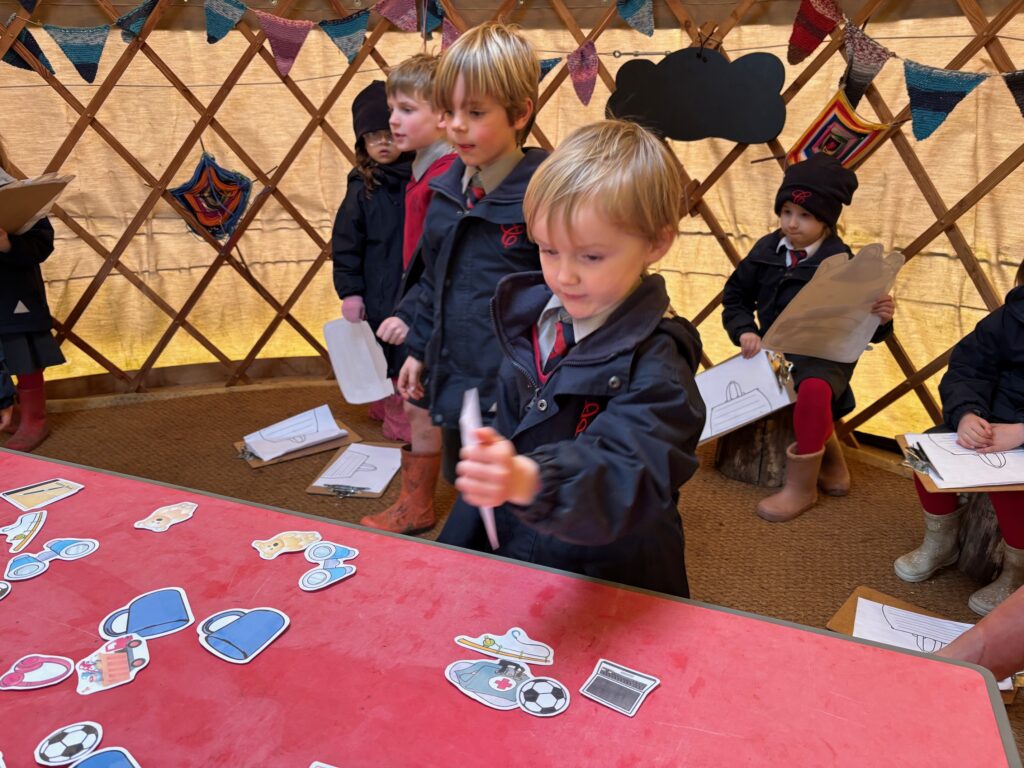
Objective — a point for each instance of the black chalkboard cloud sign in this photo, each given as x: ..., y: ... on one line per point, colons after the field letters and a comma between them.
x: 697, y: 94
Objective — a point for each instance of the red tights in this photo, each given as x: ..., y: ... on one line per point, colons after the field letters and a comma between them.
x: 1008, y: 505
x: 812, y: 416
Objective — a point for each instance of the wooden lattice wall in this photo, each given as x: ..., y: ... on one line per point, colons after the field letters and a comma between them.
x: 271, y: 179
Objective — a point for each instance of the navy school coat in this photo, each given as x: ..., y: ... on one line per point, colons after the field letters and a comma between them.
x: 614, y: 430
x: 23, y: 305
x: 464, y: 254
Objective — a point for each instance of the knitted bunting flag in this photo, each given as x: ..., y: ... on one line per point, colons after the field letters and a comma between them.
x: 401, y: 13
x: 221, y: 18
x: 133, y: 21
x: 449, y: 34
x: 934, y: 94
x: 583, y: 70
x: 347, y: 33
x: 433, y: 17
x: 28, y: 5
x: 840, y: 132
x: 546, y: 65
x: 639, y: 14
x: 25, y: 38
x: 866, y: 59
x: 814, y: 19
x: 82, y: 45
x: 286, y: 37
x: 1015, y: 82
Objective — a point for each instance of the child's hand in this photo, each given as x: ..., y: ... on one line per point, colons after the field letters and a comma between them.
x: 1005, y: 437
x: 392, y: 331
x: 6, y: 414
x: 409, y: 385
x: 884, y: 308
x: 974, y: 432
x: 491, y: 472
x: 5, y: 242
x: 353, y: 309
x: 750, y: 344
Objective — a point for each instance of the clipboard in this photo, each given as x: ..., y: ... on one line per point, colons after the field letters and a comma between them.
x: 20, y: 203
x: 330, y: 445
x: 842, y: 622
x: 318, y: 490
x: 931, y: 487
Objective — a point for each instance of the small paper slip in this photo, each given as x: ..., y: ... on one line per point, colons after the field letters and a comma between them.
x: 469, y: 422
x: 907, y: 629
x: 38, y: 495
x: 739, y: 391
x: 358, y: 361
x: 308, y: 428
x: 361, y: 469
x: 950, y: 465
x: 24, y: 202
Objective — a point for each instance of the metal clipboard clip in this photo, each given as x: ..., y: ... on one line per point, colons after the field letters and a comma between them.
x: 345, y: 491
x: 782, y: 368
x: 246, y: 455
x: 915, y: 458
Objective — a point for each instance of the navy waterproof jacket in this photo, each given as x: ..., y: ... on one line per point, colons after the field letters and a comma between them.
x: 366, y: 242
x: 23, y: 307
x: 465, y: 252
x: 986, y: 368
x: 614, y: 430
x: 6, y: 385
x: 761, y: 283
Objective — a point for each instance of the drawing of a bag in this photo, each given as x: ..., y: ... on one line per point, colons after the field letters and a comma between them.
x: 738, y: 408
x: 350, y: 463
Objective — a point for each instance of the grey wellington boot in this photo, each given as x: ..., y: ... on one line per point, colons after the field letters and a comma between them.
x: 941, y: 547
x: 1010, y: 578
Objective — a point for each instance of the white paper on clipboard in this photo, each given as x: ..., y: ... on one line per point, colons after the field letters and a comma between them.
x: 358, y: 361
x: 470, y: 421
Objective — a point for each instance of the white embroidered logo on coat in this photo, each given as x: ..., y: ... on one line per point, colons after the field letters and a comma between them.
x: 21, y: 309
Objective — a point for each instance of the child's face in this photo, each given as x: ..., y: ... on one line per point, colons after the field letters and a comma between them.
x: 800, y: 225
x: 592, y: 265
x: 380, y: 146
x: 414, y: 124
x: 479, y: 127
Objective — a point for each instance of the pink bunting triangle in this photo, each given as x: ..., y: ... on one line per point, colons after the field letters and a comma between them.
x: 582, y: 65
x: 449, y: 34
x: 286, y: 37
x: 401, y: 13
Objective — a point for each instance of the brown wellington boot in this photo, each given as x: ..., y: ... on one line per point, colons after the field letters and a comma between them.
x: 800, y: 491
x: 834, y: 477
x: 1010, y: 578
x: 414, y: 510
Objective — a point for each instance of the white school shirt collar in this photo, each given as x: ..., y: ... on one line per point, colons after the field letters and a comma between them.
x: 553, y: 312
x: 425, y: 157
x: 810, y: 250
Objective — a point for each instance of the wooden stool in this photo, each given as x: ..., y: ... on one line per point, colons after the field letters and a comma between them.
x: 756, y: 453
x: 981, y: 541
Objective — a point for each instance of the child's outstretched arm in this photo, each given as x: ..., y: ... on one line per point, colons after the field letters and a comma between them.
x: 33, y: 247
x: 491, y: 473
x: 884, y: 308
x: 348, y: 250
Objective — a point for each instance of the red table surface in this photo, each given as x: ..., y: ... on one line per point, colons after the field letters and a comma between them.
x: 358, y: 677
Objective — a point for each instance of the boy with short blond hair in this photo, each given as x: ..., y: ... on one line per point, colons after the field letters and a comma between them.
x: 598, y: 414
x: 475, y: 233
x: 416, y: 127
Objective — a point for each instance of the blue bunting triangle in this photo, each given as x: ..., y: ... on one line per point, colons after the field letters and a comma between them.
x: 546, y: 65
x: 639, y: 14
x: 133, y: 21
x: 433, y: 17
x: 82, y: 45
x: 934, y: 94
x: 221, y: 17
x: 347, y: 33
x: 28, y: 5
x: 25, y: 38
x: 1015, y: 82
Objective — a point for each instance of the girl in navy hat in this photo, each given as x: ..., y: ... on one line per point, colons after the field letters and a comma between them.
x: 367, y: 237
x: 808, y: 204
x: 27, y: 345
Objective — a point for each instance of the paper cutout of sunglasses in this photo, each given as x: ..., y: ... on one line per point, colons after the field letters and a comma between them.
x: 514, y: 644
x: 27, y: 566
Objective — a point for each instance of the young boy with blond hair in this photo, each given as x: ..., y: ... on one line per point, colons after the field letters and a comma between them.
x: 475, y: 234
x: 598, y: 415
x: 416, y: 125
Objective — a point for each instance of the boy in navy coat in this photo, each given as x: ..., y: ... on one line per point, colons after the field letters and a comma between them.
x: 598, y: 415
